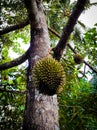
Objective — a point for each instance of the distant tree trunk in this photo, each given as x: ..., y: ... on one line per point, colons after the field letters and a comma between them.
x: 41, y: 111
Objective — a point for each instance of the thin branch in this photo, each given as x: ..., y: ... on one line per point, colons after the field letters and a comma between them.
x: 84, y: 69
x: 54, y: 32
x: 94, y: 3
x: 74, y: 51
x: 90, y: 66
x: 68, y: 106
x: 15, y: 62
x: 14, y: 27
x: 79, y: 7
x: 13, y: 91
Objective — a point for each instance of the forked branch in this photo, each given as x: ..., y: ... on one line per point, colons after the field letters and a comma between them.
x: 71, y: 48
x: 79, y: 7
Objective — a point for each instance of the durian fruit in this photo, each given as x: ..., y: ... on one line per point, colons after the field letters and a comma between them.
x: 78, y: 59
x: 67, y: 12
x: 48, y: 76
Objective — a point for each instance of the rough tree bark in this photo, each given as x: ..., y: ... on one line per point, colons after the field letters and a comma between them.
x: 41, y: 111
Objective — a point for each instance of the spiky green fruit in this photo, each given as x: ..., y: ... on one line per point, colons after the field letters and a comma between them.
x: 78, y: 58
x: 49, y: 76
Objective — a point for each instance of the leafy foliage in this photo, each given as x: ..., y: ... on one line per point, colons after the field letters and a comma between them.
x: 90, y: 43
x: 11, y: 103
x: 12, y: 12
x: 77, y: 103
x: 11, y: 111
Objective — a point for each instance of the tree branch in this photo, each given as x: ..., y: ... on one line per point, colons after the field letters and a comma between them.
x: 54, y: 32
x: 79, y: 7
x: 15, y: 62
x: 14, y: 27
x: 20, y: 59
x: 84, y: 60
x: 74, y: 51
x: 32, y: 8
x: 90, y: 66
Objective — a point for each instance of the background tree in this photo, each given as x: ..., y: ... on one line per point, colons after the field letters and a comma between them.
x: 41, y: 111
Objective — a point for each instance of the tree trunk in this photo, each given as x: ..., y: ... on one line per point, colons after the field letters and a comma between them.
x: 41, y: 111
